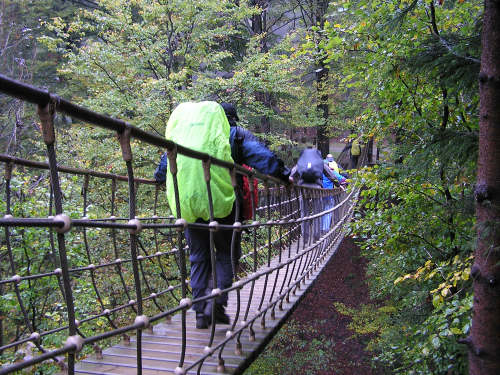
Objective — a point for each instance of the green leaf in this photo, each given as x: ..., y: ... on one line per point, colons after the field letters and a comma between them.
x: 436, y: 343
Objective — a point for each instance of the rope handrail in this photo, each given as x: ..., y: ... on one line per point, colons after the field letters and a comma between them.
x: 116, y: 261
x: 78, y: 171
x: 43, y: 98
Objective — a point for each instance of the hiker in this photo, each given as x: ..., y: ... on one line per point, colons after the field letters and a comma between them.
x: 336, y: 170
x: 160, y: 174
x: 355, y: 152
x: 211, y: 128
x: 327, y: 204
x: 308, y: 172
x: 330, y: 201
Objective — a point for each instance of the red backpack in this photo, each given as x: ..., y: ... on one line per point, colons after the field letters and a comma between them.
x: 247, y: 199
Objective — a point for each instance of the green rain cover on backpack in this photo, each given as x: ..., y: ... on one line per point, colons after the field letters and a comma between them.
x: 201, y: 126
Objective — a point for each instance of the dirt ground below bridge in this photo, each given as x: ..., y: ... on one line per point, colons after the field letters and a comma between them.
x: 316, y: 339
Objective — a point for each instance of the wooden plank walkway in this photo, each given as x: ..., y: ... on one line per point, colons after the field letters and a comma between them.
x: 161, y: 347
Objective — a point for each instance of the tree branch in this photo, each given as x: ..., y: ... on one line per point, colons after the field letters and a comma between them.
x: 122, y: 90
x: 445, y: 44
x: 417, y: 108
x: 86, y: 3
x: 426, y: 241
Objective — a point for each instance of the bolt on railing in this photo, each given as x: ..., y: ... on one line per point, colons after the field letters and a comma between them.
x: 145, y: 275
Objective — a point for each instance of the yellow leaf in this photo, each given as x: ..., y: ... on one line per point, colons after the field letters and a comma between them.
x: 431, y: 275
x: 465, y: 274
x: 437, y: 300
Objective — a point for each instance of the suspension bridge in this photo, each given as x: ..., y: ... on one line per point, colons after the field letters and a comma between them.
x: 94, y: 277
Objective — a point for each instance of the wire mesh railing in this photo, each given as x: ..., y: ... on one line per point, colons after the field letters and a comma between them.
x: 90, y: 257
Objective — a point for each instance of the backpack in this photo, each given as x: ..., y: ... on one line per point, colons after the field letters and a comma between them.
x: 203, y: 127
x: 247, y: 212
x: 310, y: 165
x: 333, y: 165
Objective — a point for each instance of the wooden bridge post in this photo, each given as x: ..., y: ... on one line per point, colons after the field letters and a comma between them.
x: 124, y: 139
x: 74, y: 341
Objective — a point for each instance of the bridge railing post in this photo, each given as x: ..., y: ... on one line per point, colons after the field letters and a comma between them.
x: 46, y: 114
x: 124, y: 139
x: 182, y: 225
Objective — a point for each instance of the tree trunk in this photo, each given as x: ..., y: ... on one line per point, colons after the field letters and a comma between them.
x: 323, y: 140
x: 258, y: 28
x: 319, y: 10
x: 484, y: 341
x: 369, y: 147
x: 265, y: 124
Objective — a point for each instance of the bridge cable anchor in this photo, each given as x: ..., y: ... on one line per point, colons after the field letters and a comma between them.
x: 66, y: 221
x: 124, y: 139
x: 75, y: 343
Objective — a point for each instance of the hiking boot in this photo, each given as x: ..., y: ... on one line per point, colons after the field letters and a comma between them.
x: 220, y: 315
x: 202, y: 321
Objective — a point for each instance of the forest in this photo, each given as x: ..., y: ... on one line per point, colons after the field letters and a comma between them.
x: 402, y: 74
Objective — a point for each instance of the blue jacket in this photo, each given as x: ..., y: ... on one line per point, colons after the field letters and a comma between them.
x: 245, y: 149
x: 327, y: 183
x: 161, y: 170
